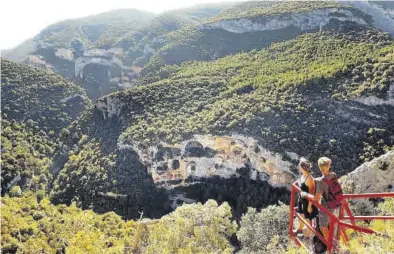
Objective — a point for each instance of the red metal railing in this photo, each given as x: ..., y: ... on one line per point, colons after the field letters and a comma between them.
x: 334, y: 220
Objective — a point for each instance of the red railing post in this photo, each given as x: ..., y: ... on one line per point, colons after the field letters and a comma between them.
x: 331, y: 229
x: 292, y: 203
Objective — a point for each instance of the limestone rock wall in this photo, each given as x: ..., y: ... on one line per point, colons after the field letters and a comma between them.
x: 305, y: 21
x: 99, y: 71
x: 371, y: 177
x: 206, y: 156
x: 109, y: 106
x: 382, y: 18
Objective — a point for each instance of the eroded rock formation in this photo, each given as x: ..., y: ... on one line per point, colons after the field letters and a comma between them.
x: 205, y: 156
x: 315, y: 19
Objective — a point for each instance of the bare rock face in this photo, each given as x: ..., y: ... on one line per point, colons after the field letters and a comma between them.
x: 375, y: 101
x: 383, y: 16
x: 99, y: 71
x: 205, y: 156
x: 109, y: 106
x: 304, y: 21
x: 371, y: 177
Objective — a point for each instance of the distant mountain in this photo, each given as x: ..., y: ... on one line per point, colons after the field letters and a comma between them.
x: 105, y: 52
x: 120, y: 49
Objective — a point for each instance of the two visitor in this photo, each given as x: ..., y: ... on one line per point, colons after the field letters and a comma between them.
x: 325, y: 189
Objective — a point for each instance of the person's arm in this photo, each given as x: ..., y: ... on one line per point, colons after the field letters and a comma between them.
x: 310, y: 182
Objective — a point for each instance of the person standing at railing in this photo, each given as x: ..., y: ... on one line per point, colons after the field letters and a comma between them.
x: 306, y: 184
x: 328, y: 193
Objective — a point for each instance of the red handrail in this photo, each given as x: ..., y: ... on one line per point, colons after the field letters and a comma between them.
x: 334, y: 219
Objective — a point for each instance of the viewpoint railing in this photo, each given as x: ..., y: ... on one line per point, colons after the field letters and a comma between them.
x: 336, y: 223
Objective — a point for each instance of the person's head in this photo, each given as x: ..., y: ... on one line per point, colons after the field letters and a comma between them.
x: 324, y: 164
x: 304, y: 166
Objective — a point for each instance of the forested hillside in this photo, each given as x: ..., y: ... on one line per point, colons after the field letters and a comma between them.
x: 36, y: 105
x: 199, y: 119
x: 104, y: 53
x: 314, y: 95
x: 123, y: 48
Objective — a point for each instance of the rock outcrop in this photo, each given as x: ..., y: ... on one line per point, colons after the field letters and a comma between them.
x: 206, y: 156
x: 99, y: 71
x: 315, y: 19
x: 371, y: 177
x: 382, y: 17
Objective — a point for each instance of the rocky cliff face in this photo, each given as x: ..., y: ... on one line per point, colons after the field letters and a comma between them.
x: 315, y: 19
x: 382, y: 15
x: 371, y: 177
x: 99, y: 71
x: 206, y: 156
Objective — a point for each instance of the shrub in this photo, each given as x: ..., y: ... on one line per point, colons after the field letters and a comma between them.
x: 265, y: 231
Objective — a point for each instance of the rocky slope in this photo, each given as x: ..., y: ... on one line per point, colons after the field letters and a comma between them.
x: 382, y: 13
x: 371, y: 177
x: 78, y: 49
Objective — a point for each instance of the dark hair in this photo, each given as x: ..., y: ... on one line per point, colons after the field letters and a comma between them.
x: 305, y: 164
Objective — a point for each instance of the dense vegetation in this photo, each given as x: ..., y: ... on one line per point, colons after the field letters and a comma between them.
x: 41, y: 96
x: 271, y: 93
x: 295, y: 96
x: 25, y: 156
x: 33, y: 113
x: 269, y: 8
x: 264, y: 231
x: 141, y: 44
x: 114, y: 181
x: 203, y: 44
x: 32, y: 224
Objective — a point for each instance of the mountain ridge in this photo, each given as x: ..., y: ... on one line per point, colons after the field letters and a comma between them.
x: 104, y: 64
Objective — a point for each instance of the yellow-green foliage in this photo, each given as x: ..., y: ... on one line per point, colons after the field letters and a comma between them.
x: 264, y: 231
x: 383, y: 242
x: 31, y: 226
x: 33, y: 112
x: 193, y: 228
x: 26, y: 152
